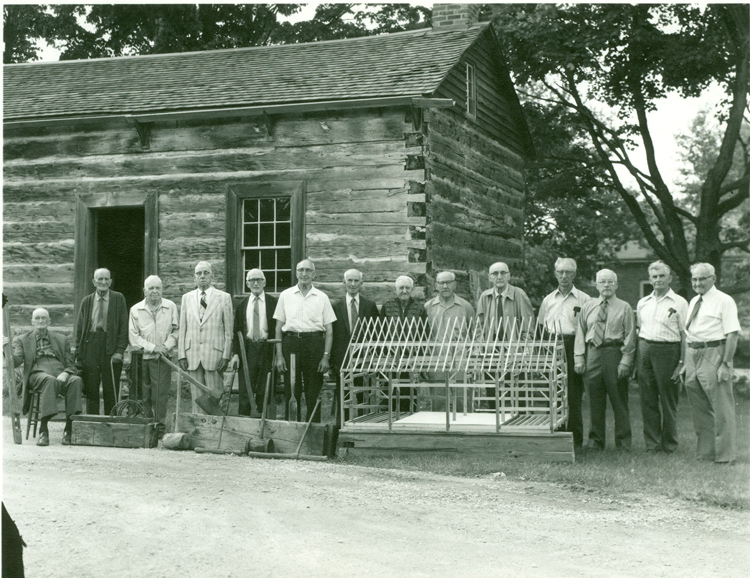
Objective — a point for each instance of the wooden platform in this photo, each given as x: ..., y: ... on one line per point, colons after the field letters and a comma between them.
x: 204, y: 432
x: 113, y: 432
x: 525, y: 437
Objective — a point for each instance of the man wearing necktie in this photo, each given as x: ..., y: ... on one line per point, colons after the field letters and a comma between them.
x: 349, y: 310
x: 101, y: 339
x: 254, y: 318
x: 504, y: 304
x: 205, y: 336
x: 712, y: 332
x: 604, y: 351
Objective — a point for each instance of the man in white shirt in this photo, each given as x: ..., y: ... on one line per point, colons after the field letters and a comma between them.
x: 661, y: 318
x: 305, y: 317
x: 558, y: 313
x: 712, y: 331
x: 254, y: 319
x: 153, y: 326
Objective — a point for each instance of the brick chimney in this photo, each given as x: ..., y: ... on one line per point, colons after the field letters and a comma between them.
x: 454, y: 16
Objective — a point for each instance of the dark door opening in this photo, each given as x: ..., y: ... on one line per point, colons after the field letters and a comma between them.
x: 120, y: 248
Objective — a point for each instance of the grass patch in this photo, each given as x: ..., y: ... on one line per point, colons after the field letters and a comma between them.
x: 679, y: 475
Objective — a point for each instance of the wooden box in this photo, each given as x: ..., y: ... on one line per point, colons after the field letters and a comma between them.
x: 114, y: 432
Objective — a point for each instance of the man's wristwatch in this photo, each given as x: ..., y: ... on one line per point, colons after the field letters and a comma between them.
x: 326, y: 353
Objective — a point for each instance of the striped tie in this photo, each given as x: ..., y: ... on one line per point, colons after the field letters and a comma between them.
x: 256, y: 320
x: 354, y: 315
x: 203, y: 304
x: 600, y: 325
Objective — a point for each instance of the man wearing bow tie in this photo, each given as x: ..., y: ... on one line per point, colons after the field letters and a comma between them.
x: 205, y: 338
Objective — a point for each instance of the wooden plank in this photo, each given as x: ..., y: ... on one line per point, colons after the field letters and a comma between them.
x: 204, y: 431
x: 92, y: 430
x: 549, y: 447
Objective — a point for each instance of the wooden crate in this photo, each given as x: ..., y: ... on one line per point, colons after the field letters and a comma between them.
x: 114, y: 432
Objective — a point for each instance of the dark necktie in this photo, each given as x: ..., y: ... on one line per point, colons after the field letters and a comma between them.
x: 694, y: 312
x: 100, y: 324
x: 600, y: 325
x: 499, y: 311
x: 203, y: 303
x: 256, y: 320
x: 354, y: 315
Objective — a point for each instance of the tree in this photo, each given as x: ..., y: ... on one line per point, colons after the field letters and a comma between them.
x: 103, y: 30
x: 626, y: 57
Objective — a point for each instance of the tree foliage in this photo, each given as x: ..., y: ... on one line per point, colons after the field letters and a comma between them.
x: 101, y: 30
x: 626, y: 57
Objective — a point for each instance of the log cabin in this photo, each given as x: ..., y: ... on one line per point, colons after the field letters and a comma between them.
x: 395, y: 154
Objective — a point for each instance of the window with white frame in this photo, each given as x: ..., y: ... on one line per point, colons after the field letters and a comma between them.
x: 267, y: 240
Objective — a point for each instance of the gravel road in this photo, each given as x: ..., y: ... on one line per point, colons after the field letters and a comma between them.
x: 86, y: 511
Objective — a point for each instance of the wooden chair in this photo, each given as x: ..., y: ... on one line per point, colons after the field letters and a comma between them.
x: 33, y: 418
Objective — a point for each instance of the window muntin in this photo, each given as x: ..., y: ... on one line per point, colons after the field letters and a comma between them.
x: 267, y: 240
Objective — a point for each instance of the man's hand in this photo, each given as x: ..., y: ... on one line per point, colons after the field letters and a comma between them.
x: 160, y: 349
x: 183, y: 364
x: 678, y: 375
x: 63, y: 377
x: 222, y: 364
x: 622, y: 371
x: 323, y: 365
x: 235, y: 361
x: 280, y: 363
x: 117, y: 357
x: 724, y: 372
x: 580, y: 368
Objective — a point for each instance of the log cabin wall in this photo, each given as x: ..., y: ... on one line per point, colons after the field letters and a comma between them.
x: 352, y: 168
x: 474, y: 173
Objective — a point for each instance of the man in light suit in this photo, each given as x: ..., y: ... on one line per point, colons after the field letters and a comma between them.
x: 205, y: 338
x: 348, y: 310
x: 254, y: 318
x: 48, y: 368
x: 101, y: 339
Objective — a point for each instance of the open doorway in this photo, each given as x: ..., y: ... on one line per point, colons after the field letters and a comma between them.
x: 120, y: 248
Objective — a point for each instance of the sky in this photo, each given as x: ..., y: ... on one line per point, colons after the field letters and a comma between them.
x: 673, y: 114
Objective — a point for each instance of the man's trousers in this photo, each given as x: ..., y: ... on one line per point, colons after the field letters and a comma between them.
x: 575, y: 393
x: 96, y: 370
x: 308, y: 350
x: 602, y: 382
x: 43, y: 378
x: 659, y: 394
x: 712, y: 404
x: 259, y: 357
x: 156, y: 381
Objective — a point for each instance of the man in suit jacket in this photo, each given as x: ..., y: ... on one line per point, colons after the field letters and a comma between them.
x: 48, y: 368
x: 254, y: 318
x: 348, y: 310
x: 205, y: 339
x: 101, y: 339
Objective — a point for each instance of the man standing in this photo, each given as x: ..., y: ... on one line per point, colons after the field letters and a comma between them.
x: 49, y: 369
x: 558, y: 313
x: 712, y: 332
x: 153, y: 327
x: 101, y: 339
x: 447, y: 310
x: 348, y: 311
x: 205, y: 335
x: 305, y: 329
x: 254, y: 318
x: 604, y: 350
x: 403, y: 306
x: 504, y: 303
x: 660, y: 318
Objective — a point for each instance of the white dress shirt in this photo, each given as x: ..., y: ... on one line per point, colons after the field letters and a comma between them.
x: 557, y: 311
x: 716, y: 318
x: 261, y: 315
x: 656, y: 322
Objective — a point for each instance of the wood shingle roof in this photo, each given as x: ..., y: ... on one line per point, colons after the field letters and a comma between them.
x: 403, y: 64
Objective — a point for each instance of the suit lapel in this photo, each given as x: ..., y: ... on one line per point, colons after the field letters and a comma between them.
x: 29, y: 352
x: 346, y: 316
x: 213, y: 302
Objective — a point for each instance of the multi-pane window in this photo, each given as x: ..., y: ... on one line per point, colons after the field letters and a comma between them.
x: 267, y: 240
x: 471, y: 91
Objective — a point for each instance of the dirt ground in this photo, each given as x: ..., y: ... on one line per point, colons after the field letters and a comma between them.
x: 87, y: 511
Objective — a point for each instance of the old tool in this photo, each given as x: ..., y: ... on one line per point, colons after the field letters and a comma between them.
x: 177, y: 440
x: 226, y: 411
x: 246, y: 374
x: 208, y: 402
x: 10, y: 379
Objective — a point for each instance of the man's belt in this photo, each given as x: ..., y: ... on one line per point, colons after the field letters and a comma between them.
x: 607, y: 344
x: 652, y: 342
x: 303, y: 334
x: 705, y: 344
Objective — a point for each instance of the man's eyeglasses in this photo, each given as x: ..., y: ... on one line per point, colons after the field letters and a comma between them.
x: 496, y: 273
x: 701, y: 279
x: 255, y: 280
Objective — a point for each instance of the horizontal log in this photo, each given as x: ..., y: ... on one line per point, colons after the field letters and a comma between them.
x: 186, y: 248
x: 185, y: 270
x: 29, y: 253
x: 449, y: 235
x: 443, y: 257
x: 367, y: 184
x: 470, y: 220
x: 33, y: 293
x: 244, y: 159
x: 371, y: 219
x: 39, y: 210
x: 357, y: 195
x: 478, y: 199
x: 363, y: 230
x: 373, y: 205
x: 380, y: 125
x: 371, y: 246
x: 37, y: 231
x: 16, y: 273
x: 189, y: 225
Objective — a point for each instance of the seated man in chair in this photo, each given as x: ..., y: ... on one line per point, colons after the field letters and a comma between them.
x: 48, y: 368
